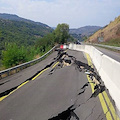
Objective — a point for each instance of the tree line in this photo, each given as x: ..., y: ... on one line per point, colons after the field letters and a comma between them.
x: 15, y: 54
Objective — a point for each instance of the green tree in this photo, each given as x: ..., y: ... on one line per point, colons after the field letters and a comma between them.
x: 45, y: 42
x: 61, y: 33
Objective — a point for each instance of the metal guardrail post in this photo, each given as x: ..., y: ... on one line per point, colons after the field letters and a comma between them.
x: 0, y: 76
x: 8, y: 73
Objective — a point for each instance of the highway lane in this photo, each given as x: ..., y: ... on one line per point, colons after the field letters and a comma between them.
x: 57, y: 92
x: 111, y: 54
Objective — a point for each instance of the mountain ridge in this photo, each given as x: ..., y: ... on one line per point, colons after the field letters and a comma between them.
x: 86, y: 30
x: 17, y: 18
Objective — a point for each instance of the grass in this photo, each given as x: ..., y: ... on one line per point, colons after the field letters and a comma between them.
x: 113, y: 42
x: 110, y: 31
x: 1, y: 66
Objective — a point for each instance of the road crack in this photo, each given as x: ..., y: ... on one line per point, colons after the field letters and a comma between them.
x: 91, y: 112
x: 66, y: 115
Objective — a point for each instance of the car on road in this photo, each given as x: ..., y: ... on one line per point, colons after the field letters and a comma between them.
x: 78, y: 43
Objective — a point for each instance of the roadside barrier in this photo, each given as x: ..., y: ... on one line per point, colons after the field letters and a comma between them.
x: 108, y: 69
x: 20, y: 67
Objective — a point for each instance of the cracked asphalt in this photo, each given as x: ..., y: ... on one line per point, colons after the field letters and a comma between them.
x: 61, y: 87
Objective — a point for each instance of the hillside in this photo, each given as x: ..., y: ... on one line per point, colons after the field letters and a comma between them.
x: 17, y: 18
x: 21, y: 32
x: 86, y: 30
x: 110, y: 34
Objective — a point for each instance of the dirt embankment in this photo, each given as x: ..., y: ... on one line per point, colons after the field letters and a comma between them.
x: 109, y: 32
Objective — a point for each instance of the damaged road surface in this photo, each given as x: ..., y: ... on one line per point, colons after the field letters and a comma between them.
x: 65, y: 87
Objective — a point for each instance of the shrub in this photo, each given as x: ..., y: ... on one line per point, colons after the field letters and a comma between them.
x: 13, y: 55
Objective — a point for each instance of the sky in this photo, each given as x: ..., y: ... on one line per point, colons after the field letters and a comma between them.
x: 76, y: 13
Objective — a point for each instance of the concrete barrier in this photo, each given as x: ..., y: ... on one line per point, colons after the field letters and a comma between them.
x: 96, y: 58
x: 108, y: 69
x: 80, y: 47
x: 109, y: 72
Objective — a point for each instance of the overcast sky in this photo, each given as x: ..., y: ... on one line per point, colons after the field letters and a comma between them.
x: 76, y: 13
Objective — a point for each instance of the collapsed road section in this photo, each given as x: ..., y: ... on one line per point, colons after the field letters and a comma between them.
x: 67, y: 60
x: 70, y: 89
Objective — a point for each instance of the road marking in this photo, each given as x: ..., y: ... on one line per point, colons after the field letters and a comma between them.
x: 110, y: 105
x: 103, y: 104
x: 2, y: 98
x: 44, y: 71
x: 92, y: 86
x: 89, y: 60
x: 105, y: 96
x: 24, y: 83
x: 40, y: 73
x: 66, y: 50
x: 55, y: 64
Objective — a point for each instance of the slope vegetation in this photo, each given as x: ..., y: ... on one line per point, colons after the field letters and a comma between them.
x: 110, y: 34
x: 21, y: 32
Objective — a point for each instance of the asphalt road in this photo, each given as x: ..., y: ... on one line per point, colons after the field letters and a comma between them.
x: 111, y: 54
x: 58, y: 92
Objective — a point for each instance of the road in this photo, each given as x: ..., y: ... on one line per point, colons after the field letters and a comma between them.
x: 111, y: 54
x: 61, y: 90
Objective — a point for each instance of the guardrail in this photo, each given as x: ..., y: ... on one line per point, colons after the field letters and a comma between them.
x: 20, y: 67
x: 107, y: 46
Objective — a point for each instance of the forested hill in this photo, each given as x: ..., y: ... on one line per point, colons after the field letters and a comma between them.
x: 22, y: 32
x: 17, y: 18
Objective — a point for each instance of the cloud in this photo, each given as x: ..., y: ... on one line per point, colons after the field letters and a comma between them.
x: 76, y: 13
